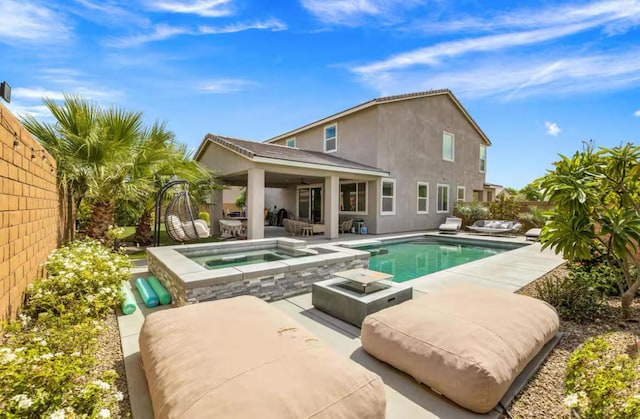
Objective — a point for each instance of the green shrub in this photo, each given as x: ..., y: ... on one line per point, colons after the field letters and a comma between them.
x: 470, y: 212
x: 83, y: 280
x: 533, y: 218
x: 605, y: 277
x: 47, y: 357
x: 603, y: 383
x: 204, y: 216
x: 504, y: 208
x: 573, y: 299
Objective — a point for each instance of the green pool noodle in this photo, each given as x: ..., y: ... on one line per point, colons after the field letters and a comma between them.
x: 128, y: 300
x: 163, y: 295
x: 147, y: 293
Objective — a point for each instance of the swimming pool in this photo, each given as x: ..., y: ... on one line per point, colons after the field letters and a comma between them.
x: 410, y: 260
x: 247, y: 257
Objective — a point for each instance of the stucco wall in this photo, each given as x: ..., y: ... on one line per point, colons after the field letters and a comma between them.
x: 29, y: 212
x: 410, y: 147
x: 405, y: 138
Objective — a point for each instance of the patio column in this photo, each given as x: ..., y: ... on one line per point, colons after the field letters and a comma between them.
x: 255, y: 204
x: 331, y: 206
x: 215, y: 212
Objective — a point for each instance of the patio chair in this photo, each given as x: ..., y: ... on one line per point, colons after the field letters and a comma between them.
x: 451, y: 225
x: 345, y: 226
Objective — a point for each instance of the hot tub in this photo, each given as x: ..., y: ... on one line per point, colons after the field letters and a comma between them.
x: 271, y: 269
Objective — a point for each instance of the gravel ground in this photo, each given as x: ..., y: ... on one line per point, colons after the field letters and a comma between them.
x: 110, y: 358
x: 542, y: 398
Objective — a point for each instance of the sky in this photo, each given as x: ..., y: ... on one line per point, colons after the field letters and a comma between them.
x: 539, y: 77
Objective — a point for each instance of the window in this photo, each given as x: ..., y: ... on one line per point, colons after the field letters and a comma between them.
x: 443, y: 198
x: 448, y: 145
x: 423, y: 198
x: 331, y: 138
x: 483, y: 158
x: 353, y: 197
x: 291, y: 142
x: 388, y: 197
x: 461, y: 194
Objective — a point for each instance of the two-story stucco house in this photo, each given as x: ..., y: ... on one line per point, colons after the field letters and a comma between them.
x: 399, y: 163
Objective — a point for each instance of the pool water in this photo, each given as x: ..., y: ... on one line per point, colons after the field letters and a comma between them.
x: 244, y: 258
x: 411, y: 260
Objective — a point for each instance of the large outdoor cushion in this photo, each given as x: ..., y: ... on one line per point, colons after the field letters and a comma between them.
x: 468, y: 344
x: 242, y: 358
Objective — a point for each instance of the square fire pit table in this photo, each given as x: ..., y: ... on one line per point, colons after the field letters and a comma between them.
x: 356, y: 293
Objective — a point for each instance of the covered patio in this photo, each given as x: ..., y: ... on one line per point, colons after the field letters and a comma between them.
x: 258, y: 166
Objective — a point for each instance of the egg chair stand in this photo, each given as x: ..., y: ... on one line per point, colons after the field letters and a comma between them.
x: 180, y: 217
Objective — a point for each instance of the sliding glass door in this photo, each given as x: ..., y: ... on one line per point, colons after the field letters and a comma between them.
x: 310, y: 203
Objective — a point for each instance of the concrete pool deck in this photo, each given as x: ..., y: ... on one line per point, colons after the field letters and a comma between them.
x: 508, y: 271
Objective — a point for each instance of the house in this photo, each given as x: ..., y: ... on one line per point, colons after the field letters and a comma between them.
x: 493, y: 191
x: 399, y: 163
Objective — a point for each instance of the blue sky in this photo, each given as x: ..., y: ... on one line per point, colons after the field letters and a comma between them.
x: 539, y: 77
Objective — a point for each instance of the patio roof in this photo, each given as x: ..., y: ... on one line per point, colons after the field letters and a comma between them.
x: 287, y: 156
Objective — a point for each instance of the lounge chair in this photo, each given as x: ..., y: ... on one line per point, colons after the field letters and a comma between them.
x: 466, y: 343
x: 495, y: 227
x: 451, y: 225
x: 533, y: 234
x: 243, y: 358
x: 230, y: 228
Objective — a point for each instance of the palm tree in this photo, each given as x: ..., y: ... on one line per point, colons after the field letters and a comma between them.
x: 74, y: 141
x: 110, y: 181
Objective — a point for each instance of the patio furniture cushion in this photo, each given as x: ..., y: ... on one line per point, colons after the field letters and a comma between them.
x: 468, y: 344
x: 533, y: 234
x: 242, y: 358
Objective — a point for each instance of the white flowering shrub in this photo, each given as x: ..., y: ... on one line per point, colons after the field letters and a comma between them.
x: 602, y: 382
x: 48, y: 355
x: 84, y: 280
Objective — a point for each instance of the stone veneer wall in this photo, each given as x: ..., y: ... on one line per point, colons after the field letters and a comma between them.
x: 29, y: 211
x: 269, y: 287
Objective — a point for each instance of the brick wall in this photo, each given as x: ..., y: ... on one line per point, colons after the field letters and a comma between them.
x: 29, y: 211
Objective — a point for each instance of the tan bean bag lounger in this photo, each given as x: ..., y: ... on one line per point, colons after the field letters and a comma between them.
x: 469, y: 344
x: 241, y: 358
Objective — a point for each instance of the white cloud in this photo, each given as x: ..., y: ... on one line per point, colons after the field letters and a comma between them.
x: 205, y: 8
x: 433, y: 55
x: 24, y: 21
x: 637, y: 113
x: 163, y: 32
x: 619, y: 14
x: 31, y: 93
x: 552, y: 128
x: 518, y: 77
x: 219, y: 86
x: 271, y: 24
x: 37, y: 111
x: 351, y: 12
x: 507, y: 63
x: 159, y: 32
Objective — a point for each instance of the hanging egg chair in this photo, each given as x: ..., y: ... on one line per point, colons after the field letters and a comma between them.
x: 181, y: 219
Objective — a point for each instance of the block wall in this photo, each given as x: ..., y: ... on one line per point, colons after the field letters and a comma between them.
x: 29, y: 211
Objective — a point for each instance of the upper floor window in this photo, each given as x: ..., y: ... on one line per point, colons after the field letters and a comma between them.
x: 423, y: 198
x: 388, y: 196
x: 331, y: 138
x: 353, y: 197
x: 461, y: 194
x: 443, y: 198
x: 291, y: 142
x: 448, y: 145
x: 483, y: 158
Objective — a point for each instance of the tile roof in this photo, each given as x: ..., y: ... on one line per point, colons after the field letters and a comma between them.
x: 253, y: 149
x: 382, y: 100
